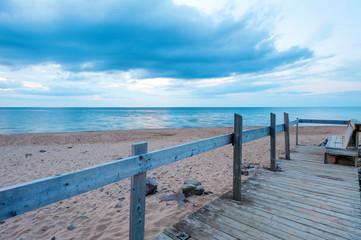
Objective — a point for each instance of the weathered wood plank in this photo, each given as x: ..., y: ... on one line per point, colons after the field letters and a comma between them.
x: 298, y: 121
x: 321, y: 172
x: 317, y: 190
x: 165, y: 156
x: 280, y: 128
x: 330, y: 220
x: 218, y: 221
x: 297, y: 177
x: 237, y: 157
x: 214, y: 232
x: 254, y: 134
x: 236, y: 220
x: 294, y: 122
x: 331, y: 203
x: 225, y: 214
x: 283, y: 227
x: 352, y: 192
x: 137, y: 198
x: 324, y: 223
x: 342, y: 152
x: 287, y: 136
x: 162, y: 236
x: 176, y: 234
x: 273, y: 142
x: 321, y: 179
x: 320, y: 121
x: 193, y: 229
x: 298, y: 202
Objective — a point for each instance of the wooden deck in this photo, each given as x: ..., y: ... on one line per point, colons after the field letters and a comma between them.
x: 309, y: 200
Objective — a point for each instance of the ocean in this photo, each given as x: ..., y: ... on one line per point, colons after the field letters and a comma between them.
x: 45, y: 120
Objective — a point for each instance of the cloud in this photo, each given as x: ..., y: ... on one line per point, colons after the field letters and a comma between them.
x: 156, y: 38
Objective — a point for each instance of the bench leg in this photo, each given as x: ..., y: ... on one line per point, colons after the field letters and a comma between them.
x: 355, y: 160
x: 330, y: 159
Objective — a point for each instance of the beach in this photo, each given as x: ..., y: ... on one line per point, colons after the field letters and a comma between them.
x: 104, y: 213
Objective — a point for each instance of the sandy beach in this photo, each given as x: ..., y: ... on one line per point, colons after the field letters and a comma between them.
x: 26, y: 157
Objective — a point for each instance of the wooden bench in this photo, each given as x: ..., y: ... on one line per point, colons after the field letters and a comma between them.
x: 344, y: 145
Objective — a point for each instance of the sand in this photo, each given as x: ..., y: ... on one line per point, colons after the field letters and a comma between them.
x: 107, y: 208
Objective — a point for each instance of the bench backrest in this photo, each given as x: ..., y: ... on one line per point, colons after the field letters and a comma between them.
x: 351, y: 138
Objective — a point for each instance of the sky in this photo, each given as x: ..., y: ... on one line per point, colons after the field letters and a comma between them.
x: 180, y: 53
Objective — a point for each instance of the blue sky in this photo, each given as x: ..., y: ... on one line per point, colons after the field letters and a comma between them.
x: 162, y: 53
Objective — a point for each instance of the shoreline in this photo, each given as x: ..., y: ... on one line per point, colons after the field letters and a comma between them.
x: 68, y: 152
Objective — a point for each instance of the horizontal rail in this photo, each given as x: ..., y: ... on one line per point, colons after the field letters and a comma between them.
x: 254, y: 134
x: 280, y: 128
x: 319, y: 121
x: 257, y: 133
x: 28, y: 196
x: 294, y: 122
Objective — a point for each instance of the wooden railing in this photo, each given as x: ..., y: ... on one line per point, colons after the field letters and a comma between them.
x: 316, y: 121
x: 24, y: 197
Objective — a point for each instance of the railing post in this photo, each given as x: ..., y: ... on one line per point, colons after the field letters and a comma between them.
x: 137, y: 197
x: 273, y: 142
x: 237, y: 157
x: 297, y: 133
x: 287, y: 136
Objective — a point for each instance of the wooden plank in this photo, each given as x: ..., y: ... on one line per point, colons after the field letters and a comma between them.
x: 176, y: 234
x: 254, y: 134
x: 297, y: 131
x: 336, y: 168
x: 196, y: 224
x: 311, y: 205
x: 236, y: 220
x: 169, y: 155
x: 219, y: 222
x: 236, y: 216
x: 285, y: 227
x: 347, y: 208
x: 343, y: 175
x: 287, y: 136
x: 322, y: 181
x: 237, y: 157
x: 318, y: 181
x: 350, y: 208
x: 334, y: 142
x: 294, y: 122
x: 319, y: 221
x: 137, y: 198
x: 295, y: 207
x: 193, y: 230
x: 318, y: 189
x: 343, y: 187
x: 273, y: 142
x: 319, y: 121
x: 28, y: 196
x: 280, y: 128
x: 342, y: 152
x: 327, y: 180
x: 162, y: 236
x: 270, y: 224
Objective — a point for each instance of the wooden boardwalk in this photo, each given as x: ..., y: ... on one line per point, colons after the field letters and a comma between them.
x: 309, y: 200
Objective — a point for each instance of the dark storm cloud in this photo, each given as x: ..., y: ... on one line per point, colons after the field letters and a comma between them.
x: 157, y: 36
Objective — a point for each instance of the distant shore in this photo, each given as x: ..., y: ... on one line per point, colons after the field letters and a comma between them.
x: 26, y: 157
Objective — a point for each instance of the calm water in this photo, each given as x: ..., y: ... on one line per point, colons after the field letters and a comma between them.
x: 41, y: 120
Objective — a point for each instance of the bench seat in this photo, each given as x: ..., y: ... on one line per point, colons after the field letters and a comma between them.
x: 344, y: 145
